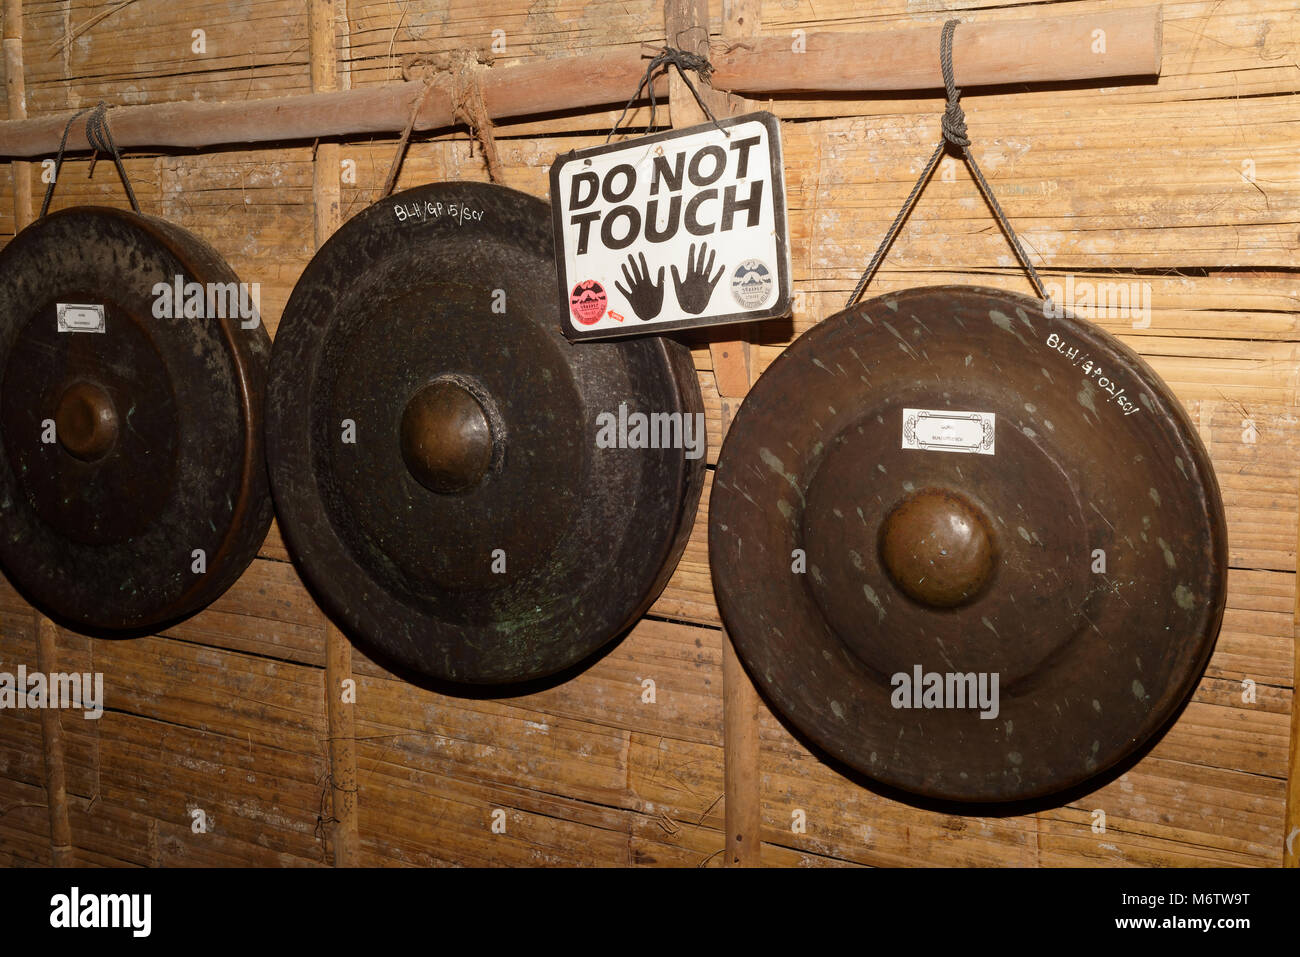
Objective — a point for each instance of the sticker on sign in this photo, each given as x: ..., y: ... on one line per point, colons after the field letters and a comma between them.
x: 672, y: 231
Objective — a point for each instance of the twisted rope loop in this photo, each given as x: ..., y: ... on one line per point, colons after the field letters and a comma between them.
x: 953, y: 127
x: 100, y: 138
x: 954, y: 117
x: 682, y: 60
x: 464, y: 70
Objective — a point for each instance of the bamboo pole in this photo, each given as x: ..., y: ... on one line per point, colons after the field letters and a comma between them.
x: 56, y: 777
x: 1291, y: 824
x: 733, y: 371
x: 742, y: 782
x: 741, y: 779
x: 686, y: 24
x: 342, y: 748
x: 733, y: 360
x: 16, y: 95
x: 323, y: 56
x: 1041, y: 50
x: 322, y: 15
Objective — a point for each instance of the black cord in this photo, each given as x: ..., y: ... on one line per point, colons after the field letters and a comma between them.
x: 954, y: 132
x: 58, y: 162
x: 683, y: 61
x: 100, y: 138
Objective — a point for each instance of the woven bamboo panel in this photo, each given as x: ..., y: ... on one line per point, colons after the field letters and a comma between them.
x: 1188, y: 188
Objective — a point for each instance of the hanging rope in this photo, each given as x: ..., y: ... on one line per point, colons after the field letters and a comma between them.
x: 396, y: 165
x: 682, y: 61
x: 954, y: 132
x: 100, y: 138
x: 467, y: 106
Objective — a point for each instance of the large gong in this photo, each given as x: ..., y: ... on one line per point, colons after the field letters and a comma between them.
x: 468, y: 492
x: 969, y: 546
x: 133, y: 487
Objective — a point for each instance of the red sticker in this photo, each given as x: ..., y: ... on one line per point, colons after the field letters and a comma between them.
x: 588, y: 301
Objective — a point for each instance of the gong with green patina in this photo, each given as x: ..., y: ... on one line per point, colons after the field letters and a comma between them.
x: 968, y: 544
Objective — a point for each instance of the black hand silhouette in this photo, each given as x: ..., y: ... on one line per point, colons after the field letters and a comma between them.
x: 694, y: 293
x: 645, y: 297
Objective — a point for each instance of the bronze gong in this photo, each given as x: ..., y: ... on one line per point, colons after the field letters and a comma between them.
x: 967, y: 545
x: 133, y: 487
x: 436, y: 444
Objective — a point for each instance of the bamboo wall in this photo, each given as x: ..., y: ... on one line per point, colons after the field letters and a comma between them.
x: 1139, y: 181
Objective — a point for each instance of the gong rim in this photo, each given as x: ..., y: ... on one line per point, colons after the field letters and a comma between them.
x: 339, y: 529
x: 811, y: 635
x: 236, y: 367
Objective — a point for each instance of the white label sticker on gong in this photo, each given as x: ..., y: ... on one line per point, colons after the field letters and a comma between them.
x: 680, y: 229
x: 947, y: 430
x: 80, y: 318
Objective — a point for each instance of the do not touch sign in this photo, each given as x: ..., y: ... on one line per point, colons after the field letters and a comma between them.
x: 680, y: 229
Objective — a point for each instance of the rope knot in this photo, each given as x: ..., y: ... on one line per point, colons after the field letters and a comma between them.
x: 954, y: 124
x: 97, y: 134
x: 683, y: 60
x: 954, y: 132
x: 100, y: 139
x: 954, y: 117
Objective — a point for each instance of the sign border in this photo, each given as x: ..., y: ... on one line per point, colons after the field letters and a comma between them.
x: 785, y: 291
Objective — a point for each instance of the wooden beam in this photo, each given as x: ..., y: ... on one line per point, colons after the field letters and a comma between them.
x: 524, y: 90
x: 733, y: 366
x: 1090, y: 46
x: 1041, y: 50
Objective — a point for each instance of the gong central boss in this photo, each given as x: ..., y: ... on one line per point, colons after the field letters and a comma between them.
x: 670, y: 180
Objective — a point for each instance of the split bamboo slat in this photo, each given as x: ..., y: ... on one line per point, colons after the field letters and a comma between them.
x: 1184, y: 186
x: 56, y: 793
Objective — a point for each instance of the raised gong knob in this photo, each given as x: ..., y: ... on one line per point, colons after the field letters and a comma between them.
x: 938, y: 548
x: 446, y: 437
x: 86, y: 421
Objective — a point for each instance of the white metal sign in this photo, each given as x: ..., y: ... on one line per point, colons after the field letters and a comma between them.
x: 73, y: 317
x: 943, y: 430
x: 680, y: 229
